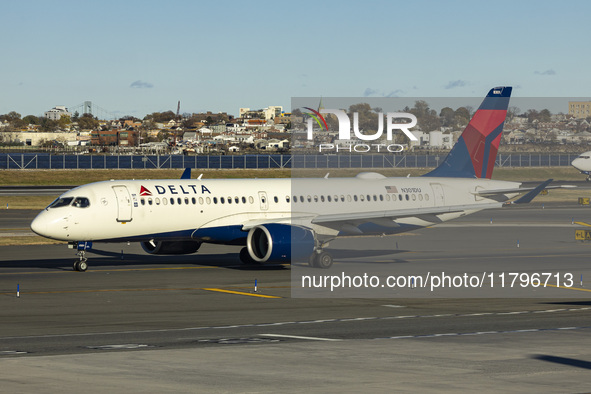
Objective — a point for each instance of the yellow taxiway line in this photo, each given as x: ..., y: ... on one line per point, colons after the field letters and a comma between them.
x: 568, y: 288
x: 242, y: 293
x: 139, y: 290
x: 114, y: 270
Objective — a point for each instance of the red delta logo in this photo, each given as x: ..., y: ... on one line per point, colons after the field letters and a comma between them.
x: 144, y: 191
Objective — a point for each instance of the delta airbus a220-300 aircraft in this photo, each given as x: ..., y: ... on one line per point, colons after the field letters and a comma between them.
x: 282, y: 219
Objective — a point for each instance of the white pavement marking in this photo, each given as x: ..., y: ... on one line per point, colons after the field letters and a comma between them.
x: 342, y: 320
x: 300, y: 337
x: 118, y: 347
x: 460, y: 334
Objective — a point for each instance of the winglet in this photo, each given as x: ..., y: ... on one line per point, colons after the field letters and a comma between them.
x: 186, y: 174
x: 532, y: 193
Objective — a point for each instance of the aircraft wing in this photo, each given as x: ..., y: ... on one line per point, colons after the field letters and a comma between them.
x: 290, y: 219
x: 348, y: 220
x: 399, y: 213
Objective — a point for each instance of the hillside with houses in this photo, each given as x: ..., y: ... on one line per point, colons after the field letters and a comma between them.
x: 271, y: 130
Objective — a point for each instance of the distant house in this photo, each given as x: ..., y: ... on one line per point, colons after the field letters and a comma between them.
x: 515, y: 137
x: 434, y: 139
x: 57, y: 112
x: 190, y: 136
x: 131, y: 124
x: 439, y: 140
x: 274, y: 144
x: 234, y: 127
x: 422, y: 138
x: 268, y: 113
x: 114, y: 138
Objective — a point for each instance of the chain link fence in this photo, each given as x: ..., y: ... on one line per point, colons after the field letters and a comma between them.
x: 13, y: 161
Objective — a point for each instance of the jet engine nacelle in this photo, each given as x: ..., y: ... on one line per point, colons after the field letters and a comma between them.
x: 170, y: 247
x: 275, y: 242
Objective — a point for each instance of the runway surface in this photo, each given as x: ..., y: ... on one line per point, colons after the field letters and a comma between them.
x: 33, y: 190
x: 17, y: 219
x: 137, y: 322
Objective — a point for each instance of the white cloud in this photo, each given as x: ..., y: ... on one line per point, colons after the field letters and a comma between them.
x: 141, y: 85
x: 458, y: 83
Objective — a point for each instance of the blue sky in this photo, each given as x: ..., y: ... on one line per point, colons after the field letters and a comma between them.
x: 138, y: 57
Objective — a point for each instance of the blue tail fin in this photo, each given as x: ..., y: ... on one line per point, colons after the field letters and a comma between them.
x: 474, y: 155
x: 186, y: 174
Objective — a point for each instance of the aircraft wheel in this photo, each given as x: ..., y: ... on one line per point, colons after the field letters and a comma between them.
x: 80, y: 265
x: 323, y: 260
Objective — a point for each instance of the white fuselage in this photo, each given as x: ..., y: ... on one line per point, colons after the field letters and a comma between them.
x: 583, y: 163
x: 221, y: 211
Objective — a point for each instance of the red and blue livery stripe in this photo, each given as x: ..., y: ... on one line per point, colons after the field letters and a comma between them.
x: 474, y: 155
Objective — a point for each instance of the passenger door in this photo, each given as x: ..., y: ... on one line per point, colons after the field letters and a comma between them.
x: 123, y: 203
x: 438, y: 194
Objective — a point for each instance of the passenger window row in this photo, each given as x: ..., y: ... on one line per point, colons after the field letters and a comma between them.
x: 296, y: 199
x: 360, y: 197
x: 195, y: 200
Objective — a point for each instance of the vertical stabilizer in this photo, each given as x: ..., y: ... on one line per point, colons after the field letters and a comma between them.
x: 474, y: 155
x: 186, y: 174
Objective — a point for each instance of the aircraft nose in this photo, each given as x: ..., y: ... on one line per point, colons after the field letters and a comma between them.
x: 39, y: 225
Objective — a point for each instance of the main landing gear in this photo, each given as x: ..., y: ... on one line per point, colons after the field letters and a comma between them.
x: 80, y: 264
x: 320, y: 259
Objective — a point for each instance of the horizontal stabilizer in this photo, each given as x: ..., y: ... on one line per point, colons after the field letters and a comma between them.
x: 532, y: 193
x: 519, y: 190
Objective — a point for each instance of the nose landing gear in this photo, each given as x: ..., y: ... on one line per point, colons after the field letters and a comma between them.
x: 80, y: 264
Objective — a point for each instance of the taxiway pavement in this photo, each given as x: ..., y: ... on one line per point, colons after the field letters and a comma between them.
x: 137, y: 322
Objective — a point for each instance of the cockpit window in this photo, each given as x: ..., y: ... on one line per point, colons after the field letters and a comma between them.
x: 61, y: 202
x: 584, y: 157
x: 81, y: 202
